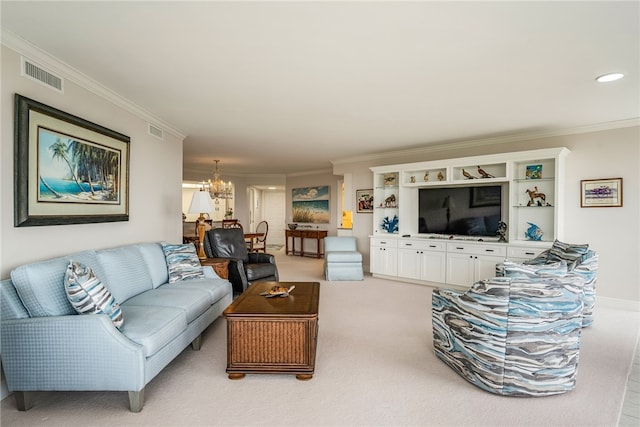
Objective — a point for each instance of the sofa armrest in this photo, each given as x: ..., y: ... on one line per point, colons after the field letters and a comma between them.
x: 65, y: 352
x: 209, y: 272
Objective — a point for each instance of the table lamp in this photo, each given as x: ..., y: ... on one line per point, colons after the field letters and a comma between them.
x: 201, y: 203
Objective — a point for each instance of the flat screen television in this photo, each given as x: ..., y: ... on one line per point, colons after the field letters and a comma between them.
x: 460, y: 211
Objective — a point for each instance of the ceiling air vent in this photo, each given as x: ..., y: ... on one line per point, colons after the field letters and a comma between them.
x: 41, y: 75
x: 157, y: 132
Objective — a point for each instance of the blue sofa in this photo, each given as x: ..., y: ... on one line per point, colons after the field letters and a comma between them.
x: 47, y: 346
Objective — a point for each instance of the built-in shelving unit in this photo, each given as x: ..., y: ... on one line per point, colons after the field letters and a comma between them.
x: 532, y: 184
x: 386, y: 199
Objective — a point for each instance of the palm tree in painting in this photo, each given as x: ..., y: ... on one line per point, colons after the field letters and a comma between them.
x: 96, y: 165
x: 59, y: 150
x: 84, y: 157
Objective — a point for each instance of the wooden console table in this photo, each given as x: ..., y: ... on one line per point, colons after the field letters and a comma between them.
x: 319, y: 235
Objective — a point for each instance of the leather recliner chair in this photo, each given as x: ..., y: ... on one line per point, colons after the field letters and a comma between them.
x: 244, y: 267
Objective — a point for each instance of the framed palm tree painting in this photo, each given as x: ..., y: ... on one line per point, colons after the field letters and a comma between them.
x: 67, y: 169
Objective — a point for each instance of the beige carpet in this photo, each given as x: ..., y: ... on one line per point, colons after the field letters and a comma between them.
x: 375, y: 366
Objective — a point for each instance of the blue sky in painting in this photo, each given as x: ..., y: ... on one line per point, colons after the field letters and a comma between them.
x: 47, y: 166
x: 311, y: 193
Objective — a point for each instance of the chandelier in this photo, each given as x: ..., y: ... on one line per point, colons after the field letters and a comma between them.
x: 218, y: 189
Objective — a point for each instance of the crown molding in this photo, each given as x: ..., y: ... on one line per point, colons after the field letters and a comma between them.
x: 505, y: 139
x: 55, y: 65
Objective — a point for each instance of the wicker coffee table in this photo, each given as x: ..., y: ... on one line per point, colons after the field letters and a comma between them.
x: 273, y: 335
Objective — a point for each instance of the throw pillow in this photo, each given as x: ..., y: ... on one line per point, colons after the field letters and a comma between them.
x: 518, y: 271
x: 182, y: 262
x: 571, y: 253
x: 88, y: 295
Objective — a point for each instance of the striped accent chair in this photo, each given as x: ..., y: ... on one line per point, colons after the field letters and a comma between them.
x: 516, y: 336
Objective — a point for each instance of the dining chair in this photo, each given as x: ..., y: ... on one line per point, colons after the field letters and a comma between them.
x: 260, y: 243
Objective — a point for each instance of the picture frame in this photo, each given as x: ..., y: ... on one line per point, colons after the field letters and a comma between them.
x: 533, y: 172
x: 390, y: 179
x: 485, y: 196
x: 601, y: 193
x: 311, y: 205
x: 364, y: 200
x: 67, y: 170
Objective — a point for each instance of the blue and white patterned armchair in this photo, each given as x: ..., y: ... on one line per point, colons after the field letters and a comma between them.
x: 517, y: 336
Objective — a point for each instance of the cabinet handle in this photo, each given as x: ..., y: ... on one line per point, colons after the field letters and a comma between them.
x: 489, y: 250
x: 408, y: 244
x: 529, y: 253
x: 432, y: 246
x: 459, y: 248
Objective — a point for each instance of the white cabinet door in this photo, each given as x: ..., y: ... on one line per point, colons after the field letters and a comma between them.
x: 433, y: 266
x: 384, y: 257
x: 460, y: 269
x: 485, y: 267
x: 409, y: 263
x: 386, y: 261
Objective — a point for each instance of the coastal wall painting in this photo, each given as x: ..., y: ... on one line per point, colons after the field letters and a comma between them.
x: 67, y: 170
x: 600, y: 193
x: 311, y: 205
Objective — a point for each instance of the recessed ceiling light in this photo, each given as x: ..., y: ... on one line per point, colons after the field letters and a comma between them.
x: 611, y: 77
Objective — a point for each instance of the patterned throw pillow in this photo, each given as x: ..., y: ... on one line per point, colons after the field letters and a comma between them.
x: 88, y: 295
x: 182, y: 262
x: 519, y: 271
x: 571, y: 253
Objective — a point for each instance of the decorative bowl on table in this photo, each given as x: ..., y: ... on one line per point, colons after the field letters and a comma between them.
x: 292, y: 226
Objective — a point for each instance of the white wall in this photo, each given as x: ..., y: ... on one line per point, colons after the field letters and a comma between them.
x: 155, y: 177
x: 613, y: 232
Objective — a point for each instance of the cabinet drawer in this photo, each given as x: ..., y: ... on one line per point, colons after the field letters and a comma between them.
x: 465, y: 248
x: 523, y: 253
x: 422, y: 245
x: 389, y: 243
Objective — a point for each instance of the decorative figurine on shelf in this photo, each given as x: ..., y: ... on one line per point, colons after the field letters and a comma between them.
x: 228, y: 214
x: 390, y: 202
x: 426, y: 176
x: 484, y: 174
x: 533, y: 232
x: 535, y: 194
x: 412, y: 179
x: 467, y: 175
x: 502, y: 232
x: 440, y: 176
x: 390, y: 225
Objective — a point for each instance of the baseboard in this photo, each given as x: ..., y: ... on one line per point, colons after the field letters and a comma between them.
x: 617, y: 303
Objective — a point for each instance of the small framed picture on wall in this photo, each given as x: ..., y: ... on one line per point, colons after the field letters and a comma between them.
x: 601, y: 193
x: 364, y: 199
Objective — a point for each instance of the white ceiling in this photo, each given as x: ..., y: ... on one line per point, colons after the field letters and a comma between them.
x: 286, y: 87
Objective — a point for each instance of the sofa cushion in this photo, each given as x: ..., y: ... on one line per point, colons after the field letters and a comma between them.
x: 125, y: 271
x: 88, y: 295
x: 182, y: 262
x: 153, y: 327
x: 193, y: 302
x: 343, y: 256
x: 10, y: 305
x: 156, y: 263
x: 40, y: 285
x: 215, y: 288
